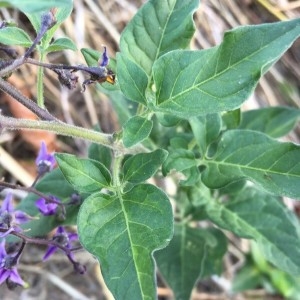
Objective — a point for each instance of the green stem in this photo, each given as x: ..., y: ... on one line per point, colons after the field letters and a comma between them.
x: 116, y: 171
x: 65, y: 129
x: 40, y: 84
x: 59, y: 128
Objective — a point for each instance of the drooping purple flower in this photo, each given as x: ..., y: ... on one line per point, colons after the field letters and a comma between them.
x: 105, y: 58
x: 47, y: 208
x: 45, y: 161
x: 64, y: 239
x: 10, y: 218
x: 8, y: 268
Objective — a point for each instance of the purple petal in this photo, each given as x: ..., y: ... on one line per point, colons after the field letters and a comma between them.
x: 46, y: 208
x: 73, y: 237
x: 42, y: 153
x: 44, y: 157
x: 2, y: 251
x: 7, y: 204
x: 21, y: 217
x: 49, y: 252
x: 105, y: 59
x: 4, y: 274
x: 60, y: 230
x: 15, y: 277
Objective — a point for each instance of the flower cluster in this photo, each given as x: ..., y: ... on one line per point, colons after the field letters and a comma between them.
x: 11, y: 219
x: 8, y: 268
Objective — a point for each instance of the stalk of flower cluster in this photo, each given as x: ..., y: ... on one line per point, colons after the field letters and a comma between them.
x: 31, y: 105
x: 38, y: 241
x: 32, y: 190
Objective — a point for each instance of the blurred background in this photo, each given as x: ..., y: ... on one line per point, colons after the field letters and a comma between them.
x: 95, y: 23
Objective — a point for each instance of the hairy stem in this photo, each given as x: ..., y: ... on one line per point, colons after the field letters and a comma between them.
x: 59, y: 128
x: 40, y: 84
x: 65, y: 129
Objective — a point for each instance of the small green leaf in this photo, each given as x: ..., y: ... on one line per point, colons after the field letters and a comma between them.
x: 85, y: 175
x: 32, y: 6
x: 247, y: 154
x: 274, y: 121
x: 186, y: 80
x: 179, y: 160
x: 206, y: 129
x: 91, y: 56
x: 168, y: 120
x: 61, y: 14
x: 262, y: 217
x: 135, y: 130
x: 193, y: 253
x: 61, y: 44
x: 142, y: 166
x: 232, y: 118
x: 15, y: 36
x: 122, y: 231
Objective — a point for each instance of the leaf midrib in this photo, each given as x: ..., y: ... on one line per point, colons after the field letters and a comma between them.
x: 256, y: 232
x: 250, y: 168
x: 197, y: 86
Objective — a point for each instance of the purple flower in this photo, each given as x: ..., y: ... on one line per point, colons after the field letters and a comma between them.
x: 10, y: 218
x: 47, y: 208
x: 105, y: 59
x: 8, y: 269
x: 62, y: 238
x: 45, y: 161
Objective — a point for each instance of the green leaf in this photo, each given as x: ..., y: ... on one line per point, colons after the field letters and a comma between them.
x: 15, y: 36
x: 84, y: 174
x: 193, y: 253
x: 158, y: 27
x: 122, y: 231
x: 62, y: 13
x: 61, y: 44
x: 246, y: 154
x: 274, y: 121
x: 132, y: 79
x: 186, y: 81
x: 91, y: 56
x: 262, y: 217
x: 100, y: 153
x: 30, y: 6
x: 142, y: 166
x: 135, y: 130
x: 247, y: 278
x: 206, y: 129
x: 232, y: 118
